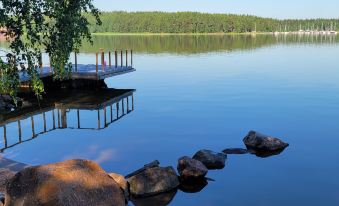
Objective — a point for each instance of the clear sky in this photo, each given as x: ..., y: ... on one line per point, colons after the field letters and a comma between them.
x: 265, y: 8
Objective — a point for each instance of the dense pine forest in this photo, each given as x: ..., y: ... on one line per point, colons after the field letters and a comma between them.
x: 193, y: 22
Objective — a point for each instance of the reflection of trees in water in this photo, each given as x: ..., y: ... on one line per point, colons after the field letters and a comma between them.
x: 188, y: 44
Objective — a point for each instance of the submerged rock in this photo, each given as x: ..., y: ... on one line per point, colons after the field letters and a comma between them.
x: 191, y: 168
x: 210, y: 159
x: 162, y: 199
x: 263, y: 143
x: 265, y: 154
x: 152, y: 181
x: 235, y: 151
x: 69, y: 183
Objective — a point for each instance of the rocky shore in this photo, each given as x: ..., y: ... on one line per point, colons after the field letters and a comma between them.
x: 84, y: 182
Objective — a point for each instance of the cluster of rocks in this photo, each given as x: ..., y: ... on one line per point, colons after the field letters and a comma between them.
x: 83, y: 182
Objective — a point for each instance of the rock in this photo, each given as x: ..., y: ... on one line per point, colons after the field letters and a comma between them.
x: 162, y: 199
x: 152, y: 181
x: 122, y: 182
x: 69, y: 183
x: 261, y: 142
x: 235, y: 151
x: 211, y: 159
x: 191, y: 168
x: 5, y: 176
x: 193, y: 185
x: 8, y: 168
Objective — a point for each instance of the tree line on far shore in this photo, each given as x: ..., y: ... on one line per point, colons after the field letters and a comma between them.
x: 194, y: 22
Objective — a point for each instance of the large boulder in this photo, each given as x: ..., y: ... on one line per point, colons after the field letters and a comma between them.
x: 190, y: 168
x: 152, y: 181
x: 69, y: 183
x: 210, y: 159
x: 260, y: 142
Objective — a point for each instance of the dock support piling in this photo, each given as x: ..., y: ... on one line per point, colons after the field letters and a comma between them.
x: 44, y: 118
x: 116, y: 58
x: 19, y: 130
x: 122, y: 59
x: 102, y: 60
x: 109, y: 59
x: 97, y: 62
x: 5, y: 136
x: 33, y: 128
x: 131, y: 58
x: 111, y: 113
x: 76, y: 61
x: 105, y: 117
x: 99, y: 119
x: 126, y: 58
x: 78, y: 116
x: 53, y: 117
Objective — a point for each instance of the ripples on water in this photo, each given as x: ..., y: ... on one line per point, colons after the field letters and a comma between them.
x: 207, y: 92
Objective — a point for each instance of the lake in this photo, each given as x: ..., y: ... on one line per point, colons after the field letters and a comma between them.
x: 207, y: 92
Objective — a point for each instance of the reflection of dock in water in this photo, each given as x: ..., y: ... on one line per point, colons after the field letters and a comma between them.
x: 109, y: 105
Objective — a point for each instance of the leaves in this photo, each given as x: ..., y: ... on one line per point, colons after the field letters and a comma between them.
x: 37, y: 26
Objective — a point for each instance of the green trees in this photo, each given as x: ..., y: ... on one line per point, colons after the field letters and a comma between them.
x: 57, y: 27
x: 193, y: 22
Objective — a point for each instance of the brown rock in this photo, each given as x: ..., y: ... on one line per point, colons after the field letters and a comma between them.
x: 69, y: 183
x: 191, y: 168
x: 152, y: 181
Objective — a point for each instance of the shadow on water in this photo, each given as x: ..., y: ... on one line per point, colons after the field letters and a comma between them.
x: 55, y: 112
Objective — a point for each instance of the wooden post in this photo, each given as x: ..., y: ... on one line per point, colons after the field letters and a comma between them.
x: 132, y: 101
x: 122, y: 60
x: 116, y: 59
x: 63, y: 118
x: 127, y: 104
x: 123, y: 106
x: 117, y: 110
x: 76, y: 61
x: 99, y: 119
x: 109, y: 59
x: 20, y: 132
x: 44, y: 118
x: 105, y: 117
x: 97, y: 62
x: 53, y: 118
x: 32, y: 122
x: 111, y: 113
x: 5, y: 136
x: 131, y: 58
x: 126, y: 58
x: 78, y: 115
x: 58, y: 118
x: 102, y: 60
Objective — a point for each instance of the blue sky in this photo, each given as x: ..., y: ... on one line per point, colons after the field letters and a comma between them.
x: 265, y: 8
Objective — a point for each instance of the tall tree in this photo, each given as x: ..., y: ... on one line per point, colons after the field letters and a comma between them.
x: 33, y: 26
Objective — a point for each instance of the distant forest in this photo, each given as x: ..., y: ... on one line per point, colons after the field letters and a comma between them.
x: 193, y: 22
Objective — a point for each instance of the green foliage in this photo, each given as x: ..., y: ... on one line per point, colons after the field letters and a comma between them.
x: 193, y: 22
x: 58, y: 26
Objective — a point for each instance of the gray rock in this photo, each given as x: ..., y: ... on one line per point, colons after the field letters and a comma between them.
x: 191, y: 168
x: 260, y: 142
x: 152, y: 181
x: 69, y: 183
x: 235, y: 151
x: 153, y: 164
x: 210, y: 159
x: 193, y: 185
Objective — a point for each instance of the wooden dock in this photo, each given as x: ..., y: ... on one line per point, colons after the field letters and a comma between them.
x: 111, y: 64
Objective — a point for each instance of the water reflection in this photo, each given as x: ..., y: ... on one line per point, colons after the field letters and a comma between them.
x: 64, y: 110
x: 188, y: 44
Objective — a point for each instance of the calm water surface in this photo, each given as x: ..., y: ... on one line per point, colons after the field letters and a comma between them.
x: 194, y: 94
